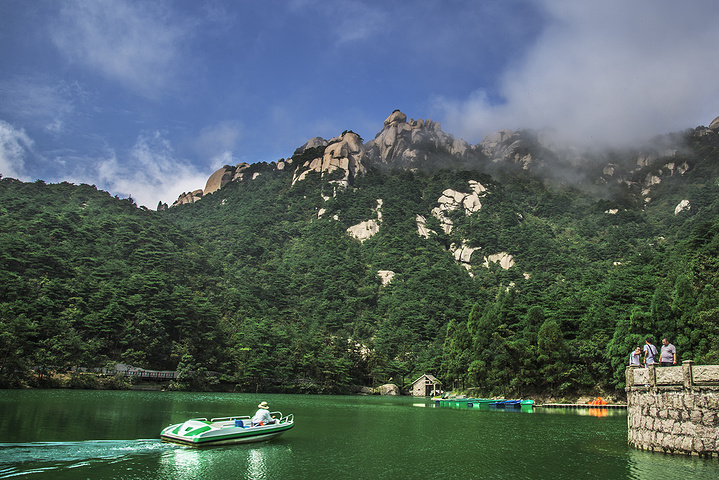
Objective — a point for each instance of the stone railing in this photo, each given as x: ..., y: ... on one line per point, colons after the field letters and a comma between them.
x: 674, y: 409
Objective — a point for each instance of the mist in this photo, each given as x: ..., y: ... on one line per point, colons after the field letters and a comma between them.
x: 607, y: 73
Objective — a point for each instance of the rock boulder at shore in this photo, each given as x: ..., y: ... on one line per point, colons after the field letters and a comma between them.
x: 389, y: 389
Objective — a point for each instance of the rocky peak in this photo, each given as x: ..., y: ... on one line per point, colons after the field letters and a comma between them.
x: 714, y: 125
x: 345, y: 152
x: 409, y: 144
x: 223, y: 176
x: 508, y: 146
x: 312, y: 143
x: 395, y: 117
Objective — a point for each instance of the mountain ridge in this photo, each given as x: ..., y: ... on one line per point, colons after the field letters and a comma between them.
x: 421, y: 144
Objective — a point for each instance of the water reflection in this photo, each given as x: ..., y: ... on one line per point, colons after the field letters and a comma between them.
x: 583, y: 411
x: 644, y: 464
x: 181, y: 463
x: 256, y: 466
x: 256, y: 461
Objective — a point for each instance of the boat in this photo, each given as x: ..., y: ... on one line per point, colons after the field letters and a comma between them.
x: 513, y: 404
x: 451, y: 400
x: 485, y: 403
x: 505, y: 404
x: 198, y: 432
x: 480, y: 402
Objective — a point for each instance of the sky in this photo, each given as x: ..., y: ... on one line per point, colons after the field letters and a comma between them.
x: 148, y: 98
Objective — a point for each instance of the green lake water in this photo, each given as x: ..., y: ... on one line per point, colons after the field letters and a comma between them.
x: 77, y: 434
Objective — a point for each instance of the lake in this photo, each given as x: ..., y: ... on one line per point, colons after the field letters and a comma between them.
x: 78, y: 434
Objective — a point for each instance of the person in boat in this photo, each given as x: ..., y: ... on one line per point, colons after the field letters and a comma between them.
x: 635, y: 358
x: 262, y: 416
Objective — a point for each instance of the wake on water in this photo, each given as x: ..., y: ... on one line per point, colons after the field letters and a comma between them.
x: 21, y: 459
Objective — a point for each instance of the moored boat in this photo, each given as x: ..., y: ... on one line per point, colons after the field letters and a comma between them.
x: 486, y: 403
x: 513, y: 404
x: 225, y: 430
x: 480, y: 402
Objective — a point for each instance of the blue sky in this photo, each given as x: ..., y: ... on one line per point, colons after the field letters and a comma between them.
x: 148, y: 98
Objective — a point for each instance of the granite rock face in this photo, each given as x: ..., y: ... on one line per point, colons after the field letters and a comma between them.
x: 217, y: 180
x: 401, y: 144
x: 507, y: 145
x: 714, y: 125
x: 410, y: 144
x: 345, y: 153
x: 189, y: 197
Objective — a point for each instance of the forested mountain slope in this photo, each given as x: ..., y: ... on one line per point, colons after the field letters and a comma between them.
x: 513, y: 276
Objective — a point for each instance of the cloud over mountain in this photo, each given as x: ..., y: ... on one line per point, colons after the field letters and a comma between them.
x: 604, y: 72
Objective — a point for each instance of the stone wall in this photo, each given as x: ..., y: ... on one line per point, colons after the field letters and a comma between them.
x: 674, y: 409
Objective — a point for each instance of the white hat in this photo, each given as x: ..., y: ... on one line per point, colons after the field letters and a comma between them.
x: 263, y: 405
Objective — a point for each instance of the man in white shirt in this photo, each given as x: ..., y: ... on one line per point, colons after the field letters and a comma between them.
x: 262, y: 416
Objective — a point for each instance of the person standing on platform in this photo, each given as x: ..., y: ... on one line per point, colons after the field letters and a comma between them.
x: 668, y: 356
x: 650, y: 352
x: 635, y: 358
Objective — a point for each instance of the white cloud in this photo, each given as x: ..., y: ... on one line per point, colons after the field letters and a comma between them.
x: 150, y: 173
x: 605, y: 72
x: 348, y: 20
x: 15, y: 145
x: 134, y: 43
x: 216, y: 140
x: 49, y: 107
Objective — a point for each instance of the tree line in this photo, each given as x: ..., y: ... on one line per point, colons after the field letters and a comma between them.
x: 258, y: 285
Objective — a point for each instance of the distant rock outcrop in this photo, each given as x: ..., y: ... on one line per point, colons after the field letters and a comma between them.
x: 403, y: 144
x: 508, y: 146
x: 217, y: 180
x: 505, y: 260
x: 342, y: 153
x: 714, y: 125
x: 469, y: 203
x: 453, y: 200
x: 386, y: 276
x: 223, y: 176
x: 364, y: 230
x: 463, y: 254
x: 683, y: 205
x: 189, y: 197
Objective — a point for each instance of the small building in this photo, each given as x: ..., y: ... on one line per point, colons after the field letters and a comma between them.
x: 426, y: 386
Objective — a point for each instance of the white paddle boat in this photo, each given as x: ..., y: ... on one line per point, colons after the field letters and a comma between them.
x: 226, y: 430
